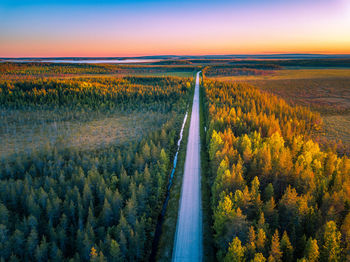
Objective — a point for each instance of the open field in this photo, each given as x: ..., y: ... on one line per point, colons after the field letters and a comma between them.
x: 324, y: 90
x: 327, y: 95
x: 31, y: 131
x: 337, y: 127
x: 285, y: 74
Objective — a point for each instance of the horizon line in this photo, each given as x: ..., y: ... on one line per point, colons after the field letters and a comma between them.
x: 173, y: 55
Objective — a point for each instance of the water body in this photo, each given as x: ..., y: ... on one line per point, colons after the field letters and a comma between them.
x: 165, y: 204
x: 83, y: 61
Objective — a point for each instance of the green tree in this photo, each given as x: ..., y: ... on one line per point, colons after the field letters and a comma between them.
x: 17, y: 242
x: 311, y: 250
x: 345, y: 230
x: 4, y: 214
x: 286, y: 248
x: 41, y: 252
x: 164, y: 160
x: 106, y: 213
x: 254, y: 191
x: 215, y: 144
x: 32, y: 242
x: 331, y: 249
x: 235, y: 251
x: 146, y: 152
x: 251, y: 246
x: 114, y: 251
x: 268, y: 192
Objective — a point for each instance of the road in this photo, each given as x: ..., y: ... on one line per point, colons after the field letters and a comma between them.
x: 188, y: 237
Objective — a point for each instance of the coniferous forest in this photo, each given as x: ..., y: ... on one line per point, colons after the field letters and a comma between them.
x: 70, y: 204
x: 275, y: 195
x: 273, y: 192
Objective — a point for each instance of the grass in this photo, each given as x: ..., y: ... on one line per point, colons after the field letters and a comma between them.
x: 291, y: 74
x: 337, y: 127
x: 22, y: 131
x: 327, y: 96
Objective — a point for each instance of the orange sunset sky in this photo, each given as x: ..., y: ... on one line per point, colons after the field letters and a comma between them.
x: 134, y: 28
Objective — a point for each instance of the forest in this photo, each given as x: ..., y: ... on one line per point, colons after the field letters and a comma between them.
x: 86, y: 153
x: 38, y: 69
x: 60, y: 203
x: 212, y: 71
x: 275, y: 195
x: 174, y: 130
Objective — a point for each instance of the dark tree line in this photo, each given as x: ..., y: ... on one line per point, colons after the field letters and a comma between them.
x: 103, y: 93
x: 45, y: 69
x: 232, y: 70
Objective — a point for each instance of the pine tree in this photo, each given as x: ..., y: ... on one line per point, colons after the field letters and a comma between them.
x: 41, y: 252
x: 268, y: 192
x: 331, y: 249
x: 251, y: 247
x: 258, y: 258
x: 275, y: 252
x: 235, y: 251
x: 164, y: 160
x: 106, y: 213
x: 123, y: 243
x: 271, y: 212
x: 254, y: 191
x: 131, y: 210
x: 55, y: 253
x: 114, y: 251
x: 87, y: 247
x: 32, y: 242
x: 286, y: 248
x: 101, y: 257
x: 5, y: 250
x: 260, y: 240
x: 311, y: 250
x: 215, y: 144
x: 146, y: 152
x: 345, y: 230
x: 14, y: 258
x: 4, y: 214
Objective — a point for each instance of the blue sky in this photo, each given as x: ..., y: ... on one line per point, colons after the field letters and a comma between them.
x: 117, y: 28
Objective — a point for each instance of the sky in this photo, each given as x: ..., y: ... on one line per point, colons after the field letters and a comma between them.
x: 106, y: 28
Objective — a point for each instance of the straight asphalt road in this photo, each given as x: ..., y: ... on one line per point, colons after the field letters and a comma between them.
x: 188, y: 237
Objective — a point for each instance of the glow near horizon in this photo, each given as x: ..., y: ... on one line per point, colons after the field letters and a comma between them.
x: 133, y: 28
